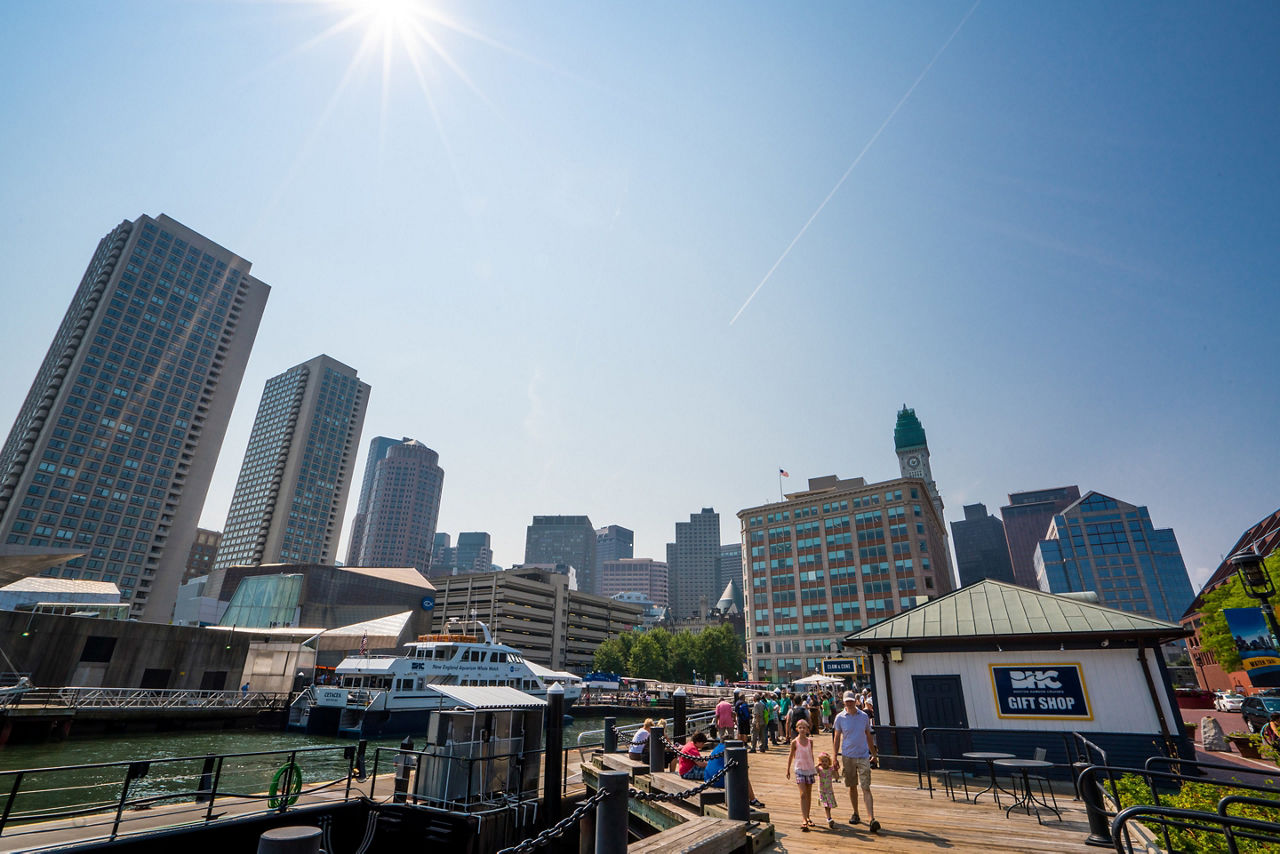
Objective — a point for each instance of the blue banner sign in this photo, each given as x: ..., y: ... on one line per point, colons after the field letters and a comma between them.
x: 428, y: 602
x: 832, y: 666
x: 1046, y: 691
x: 1257, y: 648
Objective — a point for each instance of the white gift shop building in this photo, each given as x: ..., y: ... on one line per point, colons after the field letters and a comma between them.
x: 994, y: 666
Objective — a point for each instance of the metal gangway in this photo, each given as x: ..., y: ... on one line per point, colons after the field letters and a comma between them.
x: 139, y: 698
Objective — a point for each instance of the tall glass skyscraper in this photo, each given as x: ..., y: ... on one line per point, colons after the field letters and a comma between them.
x: 1111, y: 547
x: 113, y: 448
x: 404, y: 506
x: 378, y: 447
x: 293, y: 485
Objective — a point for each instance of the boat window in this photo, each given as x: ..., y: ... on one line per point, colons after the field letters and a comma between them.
x: 499, y: 656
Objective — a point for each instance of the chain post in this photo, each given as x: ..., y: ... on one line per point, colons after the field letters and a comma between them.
x: 657, y: 750
x: 735, y: 784
x: 611, y: 813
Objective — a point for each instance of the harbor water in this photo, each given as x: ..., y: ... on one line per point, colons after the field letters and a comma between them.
x: 248, y: 774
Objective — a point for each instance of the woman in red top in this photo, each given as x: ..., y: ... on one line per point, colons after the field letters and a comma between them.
x: 692, y: 766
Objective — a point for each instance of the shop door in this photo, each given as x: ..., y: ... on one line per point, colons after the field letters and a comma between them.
x: 940, y: 704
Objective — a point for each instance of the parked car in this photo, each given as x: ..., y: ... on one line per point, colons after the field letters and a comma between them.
x: 1256, y: 711
x: 1227, y: 701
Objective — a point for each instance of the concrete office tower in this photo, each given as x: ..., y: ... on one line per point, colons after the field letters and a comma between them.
x: 981, y: 550
x: 613, y: 542
x: 113, y: 448
x: 913, y: 453
x: 693, y: 565
x: 404, y: 506
x: 378, y: 447
x: 443, y: 556
x: 474, y: 552
x: 1110, y: 547
x: 730, y: 570
x: 636, y: 575
x: 1026, y: 520
x: 570, y: 540
x: 296, y: 474
x: 840, y: 556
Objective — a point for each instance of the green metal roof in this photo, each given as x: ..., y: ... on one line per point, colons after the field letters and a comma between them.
x: 908, y: 432
x: 997, y: 610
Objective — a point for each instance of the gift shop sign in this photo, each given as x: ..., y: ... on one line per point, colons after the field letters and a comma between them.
x: 1040, y: 692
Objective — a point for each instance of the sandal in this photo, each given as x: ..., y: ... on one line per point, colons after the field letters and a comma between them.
x: 831, y: 823
x: 806, y: 826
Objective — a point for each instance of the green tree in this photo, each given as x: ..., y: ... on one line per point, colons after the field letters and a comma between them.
x: 612, y: 655
x: 720, y: 650
x: 1214, y: 634
x: 647, y: 659
x: 684, y: 656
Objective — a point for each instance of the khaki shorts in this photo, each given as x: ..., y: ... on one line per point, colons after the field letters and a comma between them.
x: 856, y: 769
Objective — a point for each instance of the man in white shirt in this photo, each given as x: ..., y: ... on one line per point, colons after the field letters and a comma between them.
x: 856, y: 747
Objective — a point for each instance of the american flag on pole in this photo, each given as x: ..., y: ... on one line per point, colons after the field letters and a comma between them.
x: 364, y: 644
x: 783, y: 473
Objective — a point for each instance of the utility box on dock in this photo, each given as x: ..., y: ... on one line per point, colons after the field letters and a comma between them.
x: 488, y: 748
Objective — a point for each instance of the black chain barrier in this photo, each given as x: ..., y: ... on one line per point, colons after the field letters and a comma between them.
x: 558, y: 829
x: 687, y: 793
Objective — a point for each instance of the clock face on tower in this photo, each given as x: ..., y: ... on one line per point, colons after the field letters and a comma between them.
x: 913, y: 462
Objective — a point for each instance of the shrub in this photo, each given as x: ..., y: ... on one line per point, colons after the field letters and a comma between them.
x: 1134, y: 790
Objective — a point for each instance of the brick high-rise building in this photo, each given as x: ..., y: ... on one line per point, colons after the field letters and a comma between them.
x: 204, y: 549
x: 838, y: 557
x: 1026, y: 521
x: 292, y: 490
x: 636, y: 575
x: 112, y: 451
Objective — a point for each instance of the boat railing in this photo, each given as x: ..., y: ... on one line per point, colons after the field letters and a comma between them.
x: 470, y: 777
x: 109, y: 800
x: 142, y: 698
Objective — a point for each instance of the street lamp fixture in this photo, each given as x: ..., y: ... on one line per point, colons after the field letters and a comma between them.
x: 1251, y: 568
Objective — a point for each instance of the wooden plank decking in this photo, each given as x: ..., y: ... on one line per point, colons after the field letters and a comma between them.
x: 910, y: 820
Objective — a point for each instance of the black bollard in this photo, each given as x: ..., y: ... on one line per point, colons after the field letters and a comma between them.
x: 204, y: 793
x: 680, y: 701
x: 1099, y: 822
x: 735, y: 781
x: 553, y: 757
x: 290, y: 840
x: 610, y: 735
x: 404, y: 770
x: 611, y: 813
x: 657, y: 750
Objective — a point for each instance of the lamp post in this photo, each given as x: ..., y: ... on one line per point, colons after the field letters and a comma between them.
x: 1251, y: 567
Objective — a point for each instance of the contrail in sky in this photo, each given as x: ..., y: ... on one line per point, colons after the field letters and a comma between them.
x: 855, y: 162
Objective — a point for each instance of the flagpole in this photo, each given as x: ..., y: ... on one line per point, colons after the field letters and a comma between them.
x: 781, y: 497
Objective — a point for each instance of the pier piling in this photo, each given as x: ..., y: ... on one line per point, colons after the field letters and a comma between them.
x: 552, y: 773
x: 611, y: 813
x: 735, y: 784
x: 610, y: 735
x: 680, y: 712
x: 657, y: 750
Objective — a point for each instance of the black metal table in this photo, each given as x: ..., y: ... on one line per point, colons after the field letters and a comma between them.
x: 1027, y: 798
x: 990, y: 758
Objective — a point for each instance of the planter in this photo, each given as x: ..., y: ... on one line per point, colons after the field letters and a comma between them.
x: 1246, y: 746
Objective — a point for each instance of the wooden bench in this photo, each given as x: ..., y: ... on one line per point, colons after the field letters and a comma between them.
x: 696, y: 836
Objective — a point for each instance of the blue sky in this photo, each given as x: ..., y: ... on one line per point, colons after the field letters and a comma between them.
x: 1061, y: 251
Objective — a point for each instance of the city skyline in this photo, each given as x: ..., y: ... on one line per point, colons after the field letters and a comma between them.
x: 1069, y: 256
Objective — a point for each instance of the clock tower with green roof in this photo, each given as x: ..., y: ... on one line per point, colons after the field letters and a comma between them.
x: 913, y: 452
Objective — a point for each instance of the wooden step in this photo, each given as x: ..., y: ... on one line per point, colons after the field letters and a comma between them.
x: 697, y: 836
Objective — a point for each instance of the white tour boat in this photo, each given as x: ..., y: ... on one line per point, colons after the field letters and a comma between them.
x: 384, y: 695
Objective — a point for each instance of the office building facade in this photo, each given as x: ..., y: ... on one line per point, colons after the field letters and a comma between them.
x: 981, y: 549
x: 404, y: 506
x: 474, y: 552
x: 112, y: 451
x: 378, y: 447
x: 1026, y: 521
x: 570, y: 540
x: 693, y: 565
x: 1101, y: 544
x: 292, y: 490
x: 837, y: 557
x: 636, y: 575
x: 613, y: 542
x: 534, y: 611
x: 730, y: 572
x: 204, y: 550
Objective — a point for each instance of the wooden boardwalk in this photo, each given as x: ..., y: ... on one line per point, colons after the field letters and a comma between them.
x: 910, y: 820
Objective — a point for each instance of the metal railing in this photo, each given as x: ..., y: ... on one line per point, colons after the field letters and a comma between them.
x: 693, y: 722
x: 141, y: 698
x: 1231, y: 829
x: 104, y: 798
